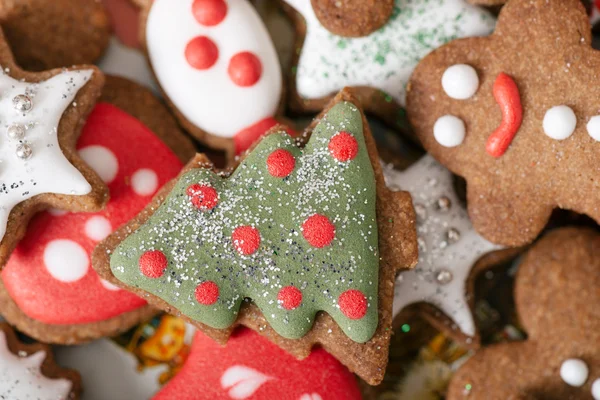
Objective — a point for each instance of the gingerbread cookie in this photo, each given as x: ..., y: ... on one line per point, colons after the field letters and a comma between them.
x: 46, y: 34
x: 557, y: 295
x: 48, y: 289
x: 217, y: 67
x: 42, y: 115
x: 523, y: 134
x: 251, y: 367
x: 296, y: 230
x: 377, y: 62
x: 28, y: 371
x: 451, y: 253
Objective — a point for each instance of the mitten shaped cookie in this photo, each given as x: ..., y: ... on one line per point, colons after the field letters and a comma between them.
x: 557, y: 296
x: 296, y: 230
x: 515, y: 114
x: 372, y: 46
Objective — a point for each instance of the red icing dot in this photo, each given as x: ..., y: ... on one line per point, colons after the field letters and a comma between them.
x: 318, y: 230
x: 289, y: 297
x: 246, y: 239
x: 244, y: 69
x: 280, y: 163
x: 203, y: 197
x: 343, y: 146
x: 201, y: 52
x: 209, y: 12
x: 207, y: 293
x: 153, y: 263
x: 353, y: 304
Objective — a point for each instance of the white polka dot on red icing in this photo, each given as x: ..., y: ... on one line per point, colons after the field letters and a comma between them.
x: 311, y: 396
x: 98, y: 228
x: 109, y: 285
x: 144, y: 182
x: 102, y: 160
x: 66, y: 260
x: 57, y: 212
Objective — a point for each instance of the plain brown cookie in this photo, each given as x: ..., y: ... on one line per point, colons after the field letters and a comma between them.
x: 353, y: 18
x: 140, y: 103
x: 68, y: 131
x: 397, y: 247
x: 46, y: 34
x: 544, y: 48
x: 557, y: 295
x: 46, y: 366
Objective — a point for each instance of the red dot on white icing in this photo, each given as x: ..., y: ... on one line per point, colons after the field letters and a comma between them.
x: 108, y: 285
x: 98, y: 228
x: 144, y: 182
x: 209, y: 12
x: 66, y: 260
x: 201, y: 53
x: 102, y: 160
x: 245, y: 69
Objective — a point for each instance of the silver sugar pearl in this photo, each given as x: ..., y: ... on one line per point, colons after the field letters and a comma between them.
x: 443, y: 276
x: 24, y: 151
x: 16, y: 132
x: 453, y: 235
x: 444, y: 203
x: 421, y: 210
x: 22, y: 103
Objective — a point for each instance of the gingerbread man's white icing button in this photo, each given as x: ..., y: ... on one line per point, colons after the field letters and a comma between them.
x: 574, y: 372
x: 449, y: 131
x: 559, y: 122
x: 596, y: 389
x: 460, y: 81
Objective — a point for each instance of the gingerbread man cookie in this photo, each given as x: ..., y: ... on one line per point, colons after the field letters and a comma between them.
x: 49, y: 289
x: 251, y: 367
x: 28, y: 371
x: 42, y: 115
x: 557, y: 296
x: 523, y: 134
x: 217, y: 66
x: 297, y: 230
x: 372, y: 46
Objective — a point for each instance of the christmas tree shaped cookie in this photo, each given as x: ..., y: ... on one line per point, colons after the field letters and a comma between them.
x: 290, y: 233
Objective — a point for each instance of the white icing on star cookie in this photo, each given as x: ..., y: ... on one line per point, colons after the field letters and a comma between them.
x: 31, y: 161
x: 220, y: 68
x: 448, y: 244
x: 21, y: 377
x: 385, y: 58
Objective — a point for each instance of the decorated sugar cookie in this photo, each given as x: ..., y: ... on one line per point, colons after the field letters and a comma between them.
x: 385, y: 41
x: 41, y: 116
x: 250, y: 367
x: 557, y: 294
x: 297, y: 230
x: 217, y: 66
x: 28, y: 371
x: 49, y: 289
x: 450, y: 251
x: 523, y: 134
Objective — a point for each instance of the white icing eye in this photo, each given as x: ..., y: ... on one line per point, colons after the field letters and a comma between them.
x: 449, y: 131
x: 593, y: 128
x: 596, y: 389
x: 559, y: 122
x: 574, y: 372
x: 460, y: 81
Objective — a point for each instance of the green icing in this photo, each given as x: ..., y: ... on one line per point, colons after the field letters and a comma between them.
x: 199, y: 247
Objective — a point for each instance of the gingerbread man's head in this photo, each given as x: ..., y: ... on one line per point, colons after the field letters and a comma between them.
x: 557, y: 298
x: 516, y: 114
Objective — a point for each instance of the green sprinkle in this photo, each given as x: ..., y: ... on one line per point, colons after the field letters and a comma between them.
x: 405, y: 328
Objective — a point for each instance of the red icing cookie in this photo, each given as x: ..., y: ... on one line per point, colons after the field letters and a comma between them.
x: 250, y: 367
x: 49, y: 275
